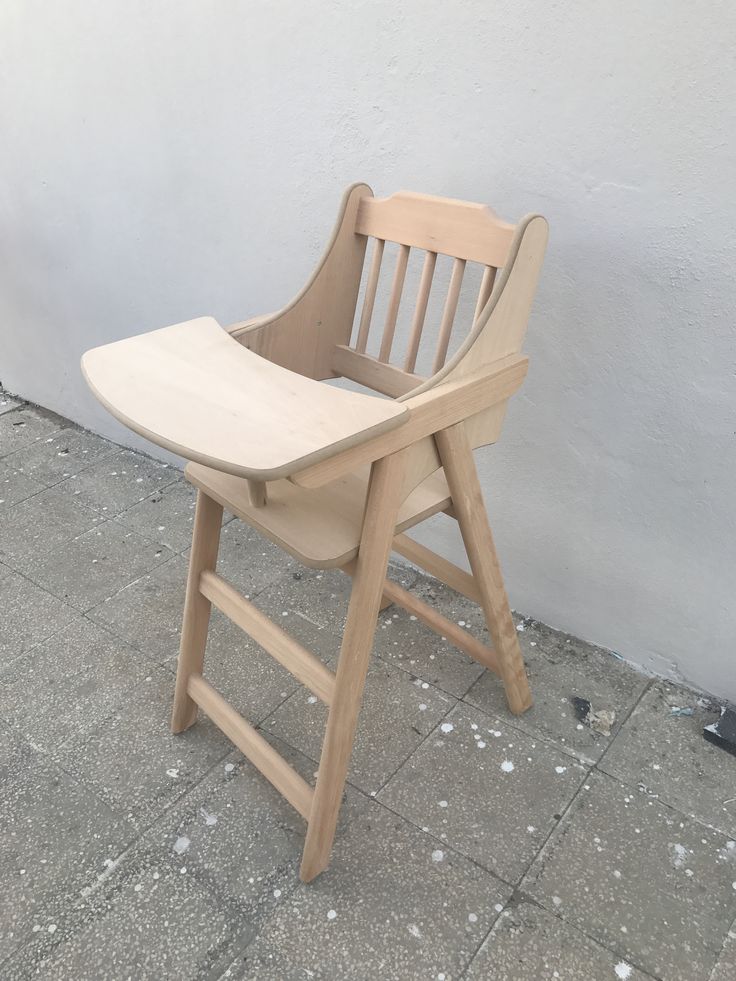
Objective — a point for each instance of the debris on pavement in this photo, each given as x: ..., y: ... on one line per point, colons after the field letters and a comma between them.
x: 723, y: 732
x: 601, y: 721
x: 681, y: 710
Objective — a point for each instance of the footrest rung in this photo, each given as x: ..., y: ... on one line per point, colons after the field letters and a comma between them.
x: 252, y: 744
x: 441, y: 625
x: 305, y: 667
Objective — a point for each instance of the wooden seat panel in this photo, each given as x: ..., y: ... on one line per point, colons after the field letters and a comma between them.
x: 320, y: 527
x: 193, y: 389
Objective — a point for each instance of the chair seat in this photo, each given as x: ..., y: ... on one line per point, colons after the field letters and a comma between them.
x: 195, y: 390
x: 319, y: 527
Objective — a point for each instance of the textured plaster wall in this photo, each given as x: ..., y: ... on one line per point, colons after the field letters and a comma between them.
x: 164, y: 160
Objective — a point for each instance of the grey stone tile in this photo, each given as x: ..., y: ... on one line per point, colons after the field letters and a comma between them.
x: 249, y: 561
x: 7, y: 403
x: 167, y: 516
x: 117, y: 482
x: 495, y: 798
x: 528, y: 943
x: 54, y: 834
x: 24, y: 426
x: 638, y: 877
x: 87, y: 570
x: 397, y: 714
x: 15, y: 486
x: 28, y: 614
x: 560, y: 667
x: 147, y: 924
x: 667, y: 754
x: 130, y: 758
x: 725, y: 969
x: 147, y: 613
x: 235, y: 833
x: 389, y: 906
x: 42, y: 523
x: 65, y: 685
x: 15, y: 753
x: 53, y: 458
x: 402, y: 640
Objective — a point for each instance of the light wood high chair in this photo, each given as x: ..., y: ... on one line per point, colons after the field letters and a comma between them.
x: 336, y: 477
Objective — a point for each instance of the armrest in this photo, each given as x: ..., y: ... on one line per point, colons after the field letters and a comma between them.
x: 429, y: 412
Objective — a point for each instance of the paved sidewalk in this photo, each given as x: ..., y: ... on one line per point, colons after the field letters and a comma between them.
x: 472, y: 844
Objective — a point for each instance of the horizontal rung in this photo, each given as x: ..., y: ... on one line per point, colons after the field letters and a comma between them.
x: 441, y: 625
x: 444, y: 570
x: 252, y: 744
x: 305, y: 667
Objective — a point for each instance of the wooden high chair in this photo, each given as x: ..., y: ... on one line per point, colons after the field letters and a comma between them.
x: 333, y: 476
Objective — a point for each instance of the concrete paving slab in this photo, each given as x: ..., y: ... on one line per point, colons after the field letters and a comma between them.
x: 529, y: 944
x: 15, y: 753
x: 117, y: 482
x: 156, y: 768
x: 91, y: 568
x: 725, y: 969
x: 561, y: 667
x: 249, y: 561
x: 665, y: 752
x: 40, y: 524
x: 147, y: 925
x: 491, y: 792
x: 147, y: 613
x: 54, y: 834
x: 68, y: 683
x: 23, y: 426
x: 388, y: 907
x: 28, y: 615
x: 166, y: 516
x: 397, y: 715
x: 641, y: 879
x: 15, y: 486
x: 7, y: 403
x: 53, y: 458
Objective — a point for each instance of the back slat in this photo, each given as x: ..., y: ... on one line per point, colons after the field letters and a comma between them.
x: 420, y: 311
x: 393, y: 304
x: 370, y: 296
x: 448, y: 315
x: 486, y: 288
x: 456, y: 228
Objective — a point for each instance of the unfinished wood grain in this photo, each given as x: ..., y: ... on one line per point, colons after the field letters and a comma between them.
x: 441, y: 625
x: 194, y: 390
x: 258, y: 493
x: 438, y: 566
x: 467, y: 498
x: 203, y: 557
x: 369, y: 300
x: 252, y: 745
x: 320, y: 528
x: 368, y: 371
x: 457, y: 228
x: 305, y: 667
x: 486, y: 288
x: 375, y: 545
x: 420, y: 310
x: 394, y: 301
x: 448, y: 314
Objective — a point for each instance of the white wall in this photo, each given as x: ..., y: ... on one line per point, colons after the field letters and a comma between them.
x: 162, y: 160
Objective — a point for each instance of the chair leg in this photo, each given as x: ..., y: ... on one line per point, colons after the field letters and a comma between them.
x: 457, y: 459
x: 205, y: 544
x: 382, y: 507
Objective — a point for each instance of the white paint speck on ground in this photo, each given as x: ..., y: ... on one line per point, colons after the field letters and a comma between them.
x: 52, y: 928
x: 229, y: 767
x: 520, y: 627
x: 209, y: 819
x: 415, y: 931
x: 172, y: 772
x: 423, y: 707
x: 312, y: 699
x: 556, y: 900
x: 276, y: 893
x: 498, y: 908
x: 507, y: 766
x: 531, y: 829
x: 437, y: 855
x: 623, y: 970
x: 473, y: 917
x: 447, y: 727
x: 560, y: 769
x: 480, y: 744
x: 331, y: 914
x: 181, y: 844
x: 442, y: 803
